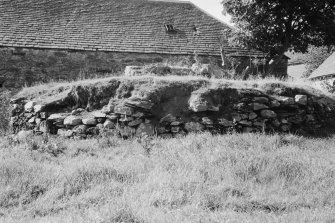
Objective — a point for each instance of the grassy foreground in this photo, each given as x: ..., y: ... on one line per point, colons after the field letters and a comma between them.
x: 199, y: 178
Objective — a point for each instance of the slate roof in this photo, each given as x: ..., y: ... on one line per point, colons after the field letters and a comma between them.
x: 326, y: 68
x: 111, y: 25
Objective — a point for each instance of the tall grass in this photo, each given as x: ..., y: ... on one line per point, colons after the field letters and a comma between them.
x: 198, y: 178
x: 4, y: 111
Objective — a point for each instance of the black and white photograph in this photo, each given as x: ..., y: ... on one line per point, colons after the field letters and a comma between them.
x: 167, y: 111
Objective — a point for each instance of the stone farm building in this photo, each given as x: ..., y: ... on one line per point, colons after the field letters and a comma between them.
x: 43, y: 40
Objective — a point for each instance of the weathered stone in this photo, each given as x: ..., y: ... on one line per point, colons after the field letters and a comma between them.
x: 43, y: 115
x: 38, y: 121
x: 225, y: 123
x: 236, y: 117
x: 139, y: 115
x: 99, y: 115
x: 77, y: 111
x: 194, y: 127
x: 274, y: 104
x: 89, y: 121
x: 29, y: 107
x: 301, y: 99
x: 268, y: 114
x: 139, y: 103
x: 100, y: 126
x: 168, y: 119
x: 285, y: 114
x: 207, y: 121
x: 38, y: 108
x: 175, y: 129
x: 135, y: 123
x: 126, y: 119
x: 124, y: 110
x: 176, y: 123
x: 261, y: 100
x: 258, y: 106
x: 28, y: 115
x: 107, y: 109
x: 286, y: 100
x: 109, y: 124
x: 65, y: 133
x: 252, y: 116
x: 16, y: 109
x: 72, y: 120
x: 57, y: 117
x: 241, y: 107
x: 245, y: 123
x: 113, y: 117
x: 202, y: 100
x: 31, y: 120
x: 80, y: 129
x: 145, y: 129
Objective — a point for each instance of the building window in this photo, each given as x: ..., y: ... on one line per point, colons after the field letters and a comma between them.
x: 169, y: 28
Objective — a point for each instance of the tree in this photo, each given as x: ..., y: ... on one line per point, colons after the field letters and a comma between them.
x: 276, y: 26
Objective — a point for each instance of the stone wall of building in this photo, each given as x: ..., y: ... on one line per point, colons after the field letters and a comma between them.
x: 25, y: 67
x: 133, y: 107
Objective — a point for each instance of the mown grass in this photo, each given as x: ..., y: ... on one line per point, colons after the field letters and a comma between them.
x: 197, y: 178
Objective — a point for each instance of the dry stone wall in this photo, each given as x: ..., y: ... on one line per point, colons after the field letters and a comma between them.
x: 168, y: 109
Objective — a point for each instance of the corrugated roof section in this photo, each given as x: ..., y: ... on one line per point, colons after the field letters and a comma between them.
x: 111, y: 25
x: 327, y: 68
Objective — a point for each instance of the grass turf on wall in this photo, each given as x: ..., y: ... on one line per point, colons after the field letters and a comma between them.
x: 199, y: 178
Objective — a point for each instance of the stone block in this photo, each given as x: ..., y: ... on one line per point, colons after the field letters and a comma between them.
x: 286, y: 100
x: 194, y: 127
x: 274, y: 104
x: 72, y: 120
x: 80, y: 129
x: 90, y: 121
x: 301, y: 99
x: 29, y: 107
x: 38, y: 108
x: 252, y: 116
x: 109, y: 124
x: 261, y: 100
x: 135, y: 123
x: 225, y: 123
x: 145, y: 129
x: 258, y: 106
x: 65, y: 133
x: 268, y: 114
